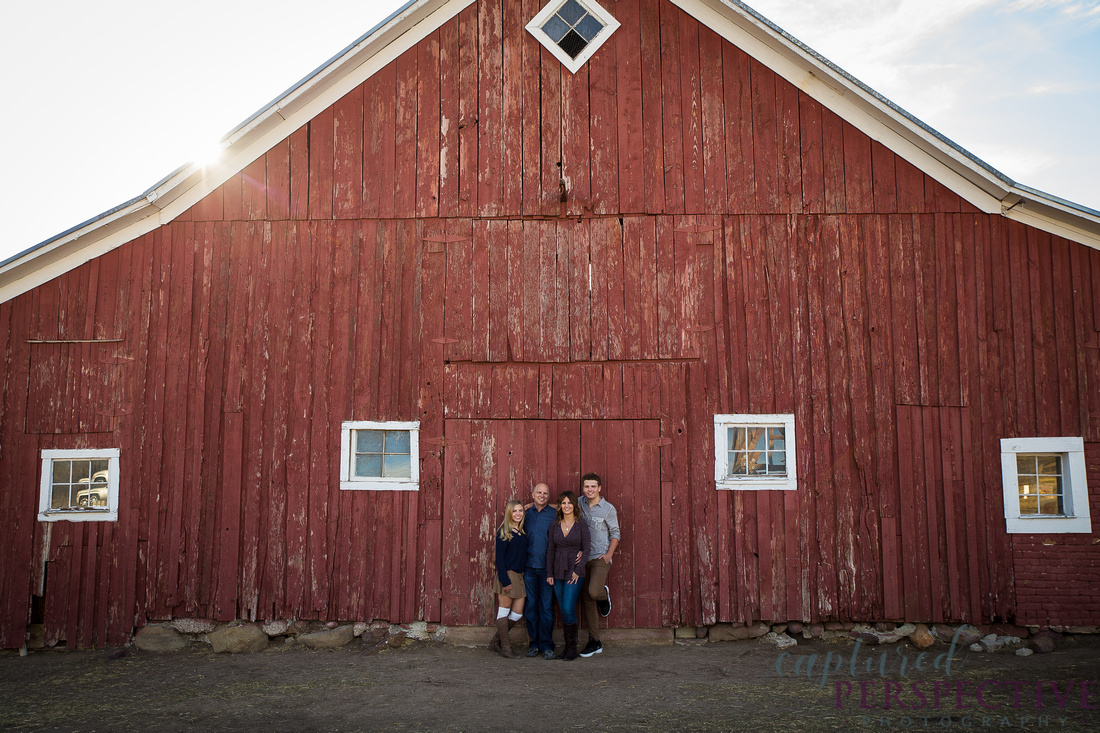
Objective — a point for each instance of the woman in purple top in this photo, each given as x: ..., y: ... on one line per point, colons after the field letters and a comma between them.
x: 566, y: 553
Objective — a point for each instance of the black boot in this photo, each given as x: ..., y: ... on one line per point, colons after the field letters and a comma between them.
x: 569, y: 631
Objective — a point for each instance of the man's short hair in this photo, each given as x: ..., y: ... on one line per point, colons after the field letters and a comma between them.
x: 591, y: 477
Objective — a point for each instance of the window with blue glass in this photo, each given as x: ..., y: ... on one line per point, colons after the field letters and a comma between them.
x: 379, y: 455
x: 572, y: 30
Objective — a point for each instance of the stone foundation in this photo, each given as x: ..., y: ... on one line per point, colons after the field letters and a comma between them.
x: 240, y: 636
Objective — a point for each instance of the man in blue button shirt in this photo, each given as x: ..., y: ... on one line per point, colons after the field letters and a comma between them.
x: 540, y: 596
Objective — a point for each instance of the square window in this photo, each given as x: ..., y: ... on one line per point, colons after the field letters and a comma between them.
x: 1044, y: 485
x: 380, y: 456
x: 79, y: 486
x: 572, y: 30
x: 754, y: 452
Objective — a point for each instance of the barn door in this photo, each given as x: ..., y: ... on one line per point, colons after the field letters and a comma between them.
x: 489, y: 461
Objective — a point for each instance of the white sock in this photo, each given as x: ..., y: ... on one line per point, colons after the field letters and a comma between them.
x: 515, y: 616
x: 502, y: 612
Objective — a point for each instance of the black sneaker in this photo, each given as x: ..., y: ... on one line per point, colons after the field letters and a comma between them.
x: 532, y: 651
x: 604, y: 605
x: 592, y: 647
x: 549, y: 654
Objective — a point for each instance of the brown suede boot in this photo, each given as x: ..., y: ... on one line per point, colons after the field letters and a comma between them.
x: 494, y: 643
x: 505, y: 640
x: 569, y: 631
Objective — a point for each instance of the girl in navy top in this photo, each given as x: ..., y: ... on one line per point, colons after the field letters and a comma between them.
x: 511, y: 556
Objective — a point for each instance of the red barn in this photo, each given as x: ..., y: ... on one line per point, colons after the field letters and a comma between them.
x: 830, y: 366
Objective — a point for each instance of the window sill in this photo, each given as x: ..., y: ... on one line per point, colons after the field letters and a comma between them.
x: 379, y: 485
x: 787, y: 484
x: 1048, y: 525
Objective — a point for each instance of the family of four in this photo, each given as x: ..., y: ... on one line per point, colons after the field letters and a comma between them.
x: 549, y: 551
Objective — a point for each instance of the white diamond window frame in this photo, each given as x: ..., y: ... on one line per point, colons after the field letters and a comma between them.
x: 610, y: 25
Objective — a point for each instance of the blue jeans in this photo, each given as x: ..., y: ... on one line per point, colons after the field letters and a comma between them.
x: 540, y: 609
x: 567, y: 595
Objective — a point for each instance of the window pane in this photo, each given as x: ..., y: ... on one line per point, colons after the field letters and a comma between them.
x: 1050, y: 505
x: 757, y: 438
x: 588, y: 28
x: 1029, y: 504
x: 1050, y: 465
x: 775, y: 439
x: 572, y: 12
x: 61, y: 471
x: 1027, y: 485
x: 737, y: 464
x: 777, y: 463
x: 737, y: 438
x: 99, y: 467
x: 1050, y: 485
x: 1025, y: 463
x: 572, y: 44
x: 556, y: 28
x: 368, y: 465
x: 758, y: 462
x: 81, y: 470
x: 397, y: 467
x: 60, y: 497
x: 397, y: 441
x: 368, y: 441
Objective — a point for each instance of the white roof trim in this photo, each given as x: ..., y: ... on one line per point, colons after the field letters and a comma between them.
x: 976, y: 182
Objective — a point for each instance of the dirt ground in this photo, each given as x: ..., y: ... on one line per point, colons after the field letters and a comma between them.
x: 737, y: 686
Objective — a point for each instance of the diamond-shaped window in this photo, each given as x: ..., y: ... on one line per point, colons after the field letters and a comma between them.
x: 572, y: 30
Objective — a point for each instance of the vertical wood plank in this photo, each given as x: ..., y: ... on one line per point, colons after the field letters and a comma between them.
x: 672, y: 106
x: 348, y: 155
x: 653, y: 104
x: 428, y: 125
x: 691, y: 114
x: 405, y: 142
x: 491, y: 167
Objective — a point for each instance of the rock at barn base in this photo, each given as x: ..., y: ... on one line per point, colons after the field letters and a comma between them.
x: 246, y: 639
x: 331, y: 639
x: 276, y: 628
x: 781, y: 640
x: 921, y: 637
x: 193, y: 625
x: 1041, y: 644
x: 157, y: 638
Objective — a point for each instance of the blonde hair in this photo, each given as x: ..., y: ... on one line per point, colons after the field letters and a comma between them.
x: 507, y: 525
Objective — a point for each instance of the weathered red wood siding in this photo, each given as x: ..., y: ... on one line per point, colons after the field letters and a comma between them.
x: 726, y: 245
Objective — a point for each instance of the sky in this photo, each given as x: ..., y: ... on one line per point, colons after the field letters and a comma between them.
x: 103, y: 100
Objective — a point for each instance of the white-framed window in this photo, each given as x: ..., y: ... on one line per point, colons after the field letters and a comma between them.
x: 754, y: 452
x: 382, y: 456
x: 79, y: 486
x: 1044, y: 485
x: 572, y: 30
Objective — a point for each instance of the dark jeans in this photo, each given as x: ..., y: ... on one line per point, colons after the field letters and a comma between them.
x: 540, y: 609
x: 567, y: 595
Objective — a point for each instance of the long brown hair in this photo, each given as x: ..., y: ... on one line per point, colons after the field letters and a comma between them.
x: 572, y: 500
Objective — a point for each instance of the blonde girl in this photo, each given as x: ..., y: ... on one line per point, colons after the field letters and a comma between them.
x: 511, y: 561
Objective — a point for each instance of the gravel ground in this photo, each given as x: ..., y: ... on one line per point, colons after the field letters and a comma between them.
x: 736, y: 686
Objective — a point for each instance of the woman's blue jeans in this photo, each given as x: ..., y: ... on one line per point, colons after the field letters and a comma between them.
x: 567, y: 595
